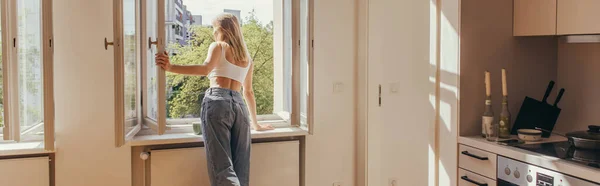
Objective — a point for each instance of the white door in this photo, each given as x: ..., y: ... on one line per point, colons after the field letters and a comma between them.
x: 399, y: 125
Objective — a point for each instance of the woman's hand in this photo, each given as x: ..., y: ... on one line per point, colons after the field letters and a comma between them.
x: 162, y: 60
x: 259, y: 127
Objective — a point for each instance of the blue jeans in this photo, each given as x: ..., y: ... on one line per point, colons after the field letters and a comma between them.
x: 226, y: 132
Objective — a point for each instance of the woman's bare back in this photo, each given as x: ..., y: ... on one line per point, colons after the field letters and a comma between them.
x: 223, y: 82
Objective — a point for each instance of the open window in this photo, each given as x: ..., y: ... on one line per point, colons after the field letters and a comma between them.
x: 279, y: 39
x: 26, y: 100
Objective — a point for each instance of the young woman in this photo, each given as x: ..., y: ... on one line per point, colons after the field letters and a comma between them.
x: 225, y: 118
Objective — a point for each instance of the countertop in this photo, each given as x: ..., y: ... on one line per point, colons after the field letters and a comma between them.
x: 540, y: 160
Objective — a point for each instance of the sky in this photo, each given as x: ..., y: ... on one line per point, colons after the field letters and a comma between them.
x: 209, y: 9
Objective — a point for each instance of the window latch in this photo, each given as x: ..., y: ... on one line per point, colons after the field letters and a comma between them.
x: 380, y: 95
x: 14, y: 42
x: 106, y: 43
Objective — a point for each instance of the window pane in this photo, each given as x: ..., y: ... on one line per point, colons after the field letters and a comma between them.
x: 30, y: 67
x: 188, y: 40
x: 287, y: 53
x: 185, y: 93
x: 151, y: 69
x: 304, y: 60
x: 130, y: 61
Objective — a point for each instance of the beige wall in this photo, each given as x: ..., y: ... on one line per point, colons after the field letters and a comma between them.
x: 330, y: 151
x: 487, y: 43
x: 578, y: 66
x: 86, y: 153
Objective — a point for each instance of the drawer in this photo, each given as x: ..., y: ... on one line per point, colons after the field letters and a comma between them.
x: 478, y: 161
x: 466, y: 178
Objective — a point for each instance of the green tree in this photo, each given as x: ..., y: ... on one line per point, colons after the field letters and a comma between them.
x: 186, y: 92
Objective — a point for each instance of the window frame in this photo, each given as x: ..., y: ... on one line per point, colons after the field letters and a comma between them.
x: 121, y: 135
x: 159, y: 125
x: 310, y: 44
x: 282, y: 118
x: 162, y: 124
x: 11, y: 132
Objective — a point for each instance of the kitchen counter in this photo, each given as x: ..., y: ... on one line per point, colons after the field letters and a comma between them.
x: 540, y: 160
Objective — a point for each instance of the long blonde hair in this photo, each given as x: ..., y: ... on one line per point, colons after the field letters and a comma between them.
x: 227, y: 24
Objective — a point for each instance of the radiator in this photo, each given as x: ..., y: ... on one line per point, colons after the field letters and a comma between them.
x: 25, y: 172
x: 272, y: 164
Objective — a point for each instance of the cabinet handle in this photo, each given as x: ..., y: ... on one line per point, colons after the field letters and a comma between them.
x: 474, y: 156
x: 473, y: 182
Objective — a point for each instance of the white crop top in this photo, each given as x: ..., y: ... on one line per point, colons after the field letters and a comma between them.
x: 227, y: 69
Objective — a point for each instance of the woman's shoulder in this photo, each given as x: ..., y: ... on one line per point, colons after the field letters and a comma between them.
x: 216, y: 47
x: 219, y: 44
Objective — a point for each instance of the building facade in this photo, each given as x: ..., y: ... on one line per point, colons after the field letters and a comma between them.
x: 177, y: 22
x: 236, y: 13
x: 197, y: 19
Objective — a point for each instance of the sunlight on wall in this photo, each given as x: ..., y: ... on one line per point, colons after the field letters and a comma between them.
x: 448, y: 107
x: 432, y: 159
x: 446, y: 114
x: 449, y: 48
x: 433, y: 71
x: 445, y: 178
x: 449, y: 43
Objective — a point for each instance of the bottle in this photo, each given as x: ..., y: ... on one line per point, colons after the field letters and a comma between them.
x: 488, y: 115
x: 505, y: 120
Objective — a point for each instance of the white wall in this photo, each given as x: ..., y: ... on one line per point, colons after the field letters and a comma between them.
x: 86, y: 153
x: 448, y: 91
x: 400, y: 128
x: 330, y: 151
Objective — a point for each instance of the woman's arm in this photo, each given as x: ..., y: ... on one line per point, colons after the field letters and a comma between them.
x: 250, y: 100
x: 214, y: 54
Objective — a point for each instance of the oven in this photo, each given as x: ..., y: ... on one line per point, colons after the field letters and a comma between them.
x: 515, y: 173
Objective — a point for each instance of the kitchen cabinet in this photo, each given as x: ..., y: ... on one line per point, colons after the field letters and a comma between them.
x: 555, y: 17
x: 476, y: 160
x: 534, y: 17
x: 578, y: 17
x: 468, y: 178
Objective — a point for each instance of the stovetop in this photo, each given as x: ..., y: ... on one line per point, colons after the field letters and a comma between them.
x: 565, y: 151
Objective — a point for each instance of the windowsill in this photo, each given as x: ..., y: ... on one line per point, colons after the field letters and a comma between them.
x: 22, y: 148
x: 143, y: 140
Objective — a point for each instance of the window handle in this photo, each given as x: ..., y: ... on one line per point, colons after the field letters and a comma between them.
x: 106, y: 43
x: 150, y: 42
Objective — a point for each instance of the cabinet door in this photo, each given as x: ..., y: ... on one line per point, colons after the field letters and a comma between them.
x: 578, y: 17
x: 534, y: 17
x: 468, y: 178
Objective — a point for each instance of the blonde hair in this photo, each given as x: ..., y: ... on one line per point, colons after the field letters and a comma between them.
x: 227, y: 24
